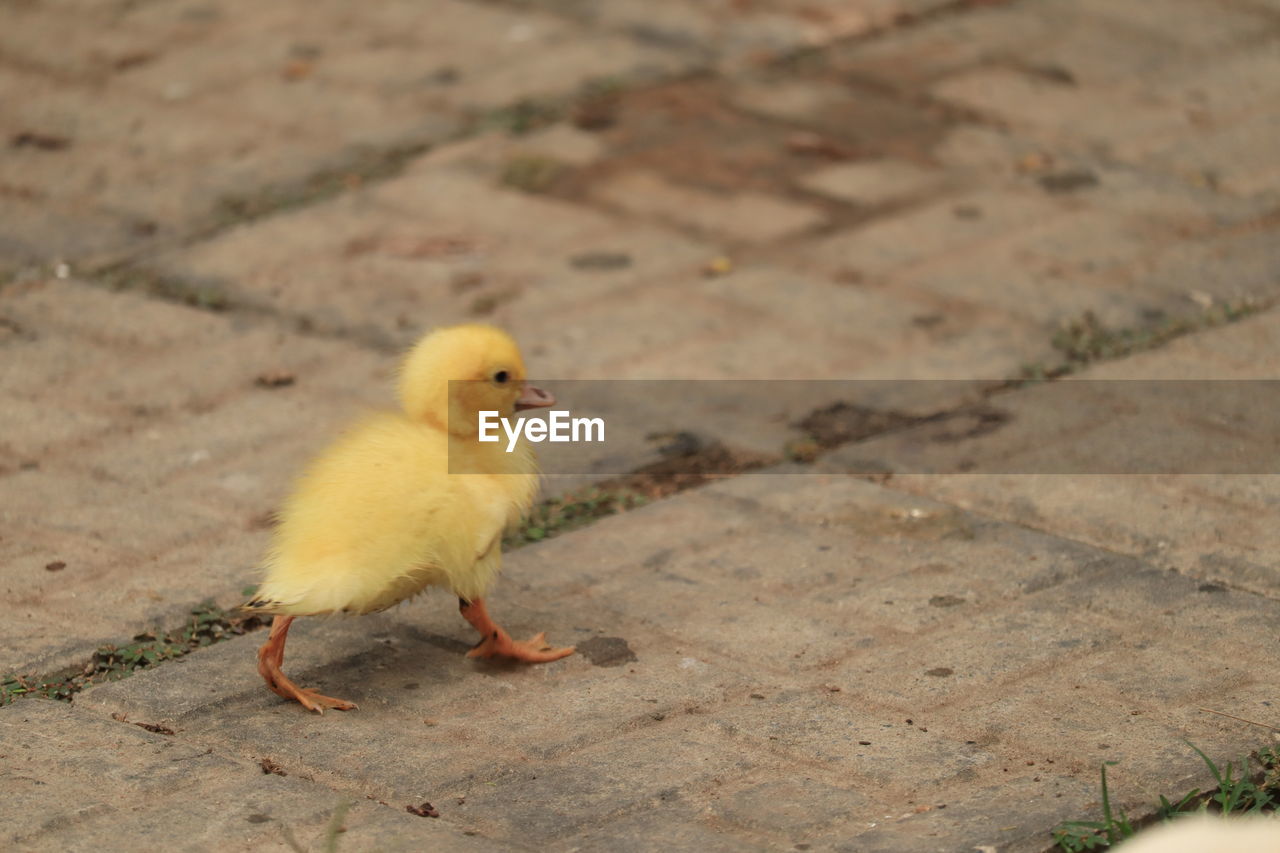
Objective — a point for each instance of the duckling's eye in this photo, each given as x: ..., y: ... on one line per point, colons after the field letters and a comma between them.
x: 501, y: 377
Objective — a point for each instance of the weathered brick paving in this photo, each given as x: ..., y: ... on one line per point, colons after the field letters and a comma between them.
x: 195, y: 196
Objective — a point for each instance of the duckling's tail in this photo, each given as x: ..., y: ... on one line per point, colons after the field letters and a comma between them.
x: 260, y: 605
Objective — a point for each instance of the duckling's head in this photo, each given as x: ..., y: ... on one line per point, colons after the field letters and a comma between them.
x: 487, y: 374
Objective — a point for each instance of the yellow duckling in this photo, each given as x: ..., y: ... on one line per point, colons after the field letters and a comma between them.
x: 377, y: 517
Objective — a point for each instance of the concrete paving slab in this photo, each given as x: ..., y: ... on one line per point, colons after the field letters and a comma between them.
x: 746, y: 217
x: 935, y: 230
x: 442, y: 246
x: 674, y: 826
x: 1096, y: 44
x: 166, y: 115
x: 1206, y: 525
x: 1192, y: 23
x: 1235, y: 268
x: 1059, y: 113
x: 734, y: 35
x: 142, y: 453
x: 76, y: 780
x: 772, y: 662
x: 476, y: 740
x: 1126, y: 64
x: 872, y: 182
x: 881, y: 649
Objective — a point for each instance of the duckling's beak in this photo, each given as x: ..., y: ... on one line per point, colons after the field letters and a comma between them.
x: 534, y: 398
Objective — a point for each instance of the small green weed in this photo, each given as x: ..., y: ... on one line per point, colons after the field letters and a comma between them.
x: 1085, y: 340
x: 206, y: 295
x: 1238, y: 792
x: 207, y: 624
x: 1269, y: 758
x: 576, y: 509
x: 525, y: 115
x: 531, y: 173
x: 1076, y: 835
x: 590, y: 107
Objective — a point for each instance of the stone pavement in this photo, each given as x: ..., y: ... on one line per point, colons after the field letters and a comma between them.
x: 220, y: 221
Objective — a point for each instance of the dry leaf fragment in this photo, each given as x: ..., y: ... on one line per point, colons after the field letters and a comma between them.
x: 424, y: 810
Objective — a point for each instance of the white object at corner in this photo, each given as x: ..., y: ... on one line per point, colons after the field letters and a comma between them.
x: 1208, y: 834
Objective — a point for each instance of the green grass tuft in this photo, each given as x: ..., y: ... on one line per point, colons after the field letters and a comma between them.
x: 1239, y: 792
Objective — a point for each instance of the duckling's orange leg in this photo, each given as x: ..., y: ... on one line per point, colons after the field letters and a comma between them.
x: 271, y: 657
x: 498, y: 642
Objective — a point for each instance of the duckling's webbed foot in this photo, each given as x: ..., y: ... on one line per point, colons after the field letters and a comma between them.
x: 271, y: 657
x: 497, y: 642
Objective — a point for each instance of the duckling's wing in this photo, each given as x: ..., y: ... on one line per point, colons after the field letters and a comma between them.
x: 471, y: 581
